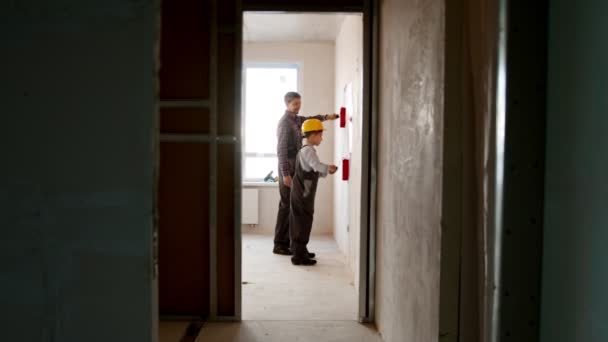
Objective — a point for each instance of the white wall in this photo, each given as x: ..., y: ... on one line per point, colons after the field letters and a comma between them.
x: 316, y: 62
x: 268, y: 202
x: 349, y: 59
x: 77, y: 177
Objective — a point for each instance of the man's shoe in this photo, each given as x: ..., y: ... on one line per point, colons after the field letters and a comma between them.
x: 303, y: 261
x: 281, y: 250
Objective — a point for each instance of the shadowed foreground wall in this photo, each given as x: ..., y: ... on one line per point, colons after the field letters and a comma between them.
x: 575, y: 276
x: 409, y: 169
x: 76, y: 182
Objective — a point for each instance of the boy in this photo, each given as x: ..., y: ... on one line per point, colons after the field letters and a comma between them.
x: 303, y: 190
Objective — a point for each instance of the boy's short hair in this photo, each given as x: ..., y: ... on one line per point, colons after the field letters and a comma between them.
x: 308, y: 134
x: 290, y: 96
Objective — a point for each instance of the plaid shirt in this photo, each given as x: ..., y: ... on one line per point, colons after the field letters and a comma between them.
x: 289, y: 135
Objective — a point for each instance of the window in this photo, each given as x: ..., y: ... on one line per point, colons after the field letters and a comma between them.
x: 264, y: 89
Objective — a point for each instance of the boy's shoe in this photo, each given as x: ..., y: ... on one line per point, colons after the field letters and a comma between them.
x: 281, y: 250
x: 303, y: 261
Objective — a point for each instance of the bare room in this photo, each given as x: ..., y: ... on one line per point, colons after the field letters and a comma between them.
x: 319, y: 56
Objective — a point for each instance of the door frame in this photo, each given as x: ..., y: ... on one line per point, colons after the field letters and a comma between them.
x: 367, y: 257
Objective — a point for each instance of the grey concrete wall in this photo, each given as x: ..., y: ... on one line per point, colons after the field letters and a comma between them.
x: 409, y: 174
x: 575, y: 275
x: 77, y: 174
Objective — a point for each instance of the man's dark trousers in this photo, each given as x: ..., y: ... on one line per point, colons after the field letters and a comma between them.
x: 281, y: 231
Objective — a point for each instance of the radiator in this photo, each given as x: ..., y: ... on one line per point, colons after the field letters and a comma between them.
x: 249, y: 207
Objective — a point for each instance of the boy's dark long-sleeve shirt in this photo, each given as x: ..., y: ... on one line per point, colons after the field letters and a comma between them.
x: 289, y: 135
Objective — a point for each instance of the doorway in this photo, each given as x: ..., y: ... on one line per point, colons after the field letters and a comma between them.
x: 220, y: 135
x: 320, y: 56
x: 200, y: 114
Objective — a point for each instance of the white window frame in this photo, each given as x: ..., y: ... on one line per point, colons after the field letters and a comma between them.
x: 261, y: 65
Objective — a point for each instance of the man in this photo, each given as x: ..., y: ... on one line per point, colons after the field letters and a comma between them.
x: 289, y: 134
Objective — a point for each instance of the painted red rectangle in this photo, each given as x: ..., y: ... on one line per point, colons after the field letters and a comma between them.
x: 345, y: 169
x: 342, y: 117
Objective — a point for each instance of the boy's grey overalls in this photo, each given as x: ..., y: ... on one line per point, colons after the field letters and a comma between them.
x: 303, y: 192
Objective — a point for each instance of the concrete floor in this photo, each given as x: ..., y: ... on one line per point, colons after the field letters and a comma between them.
x: 274, y: 289
x: 274, y: 331
x: 282, y: 331
x: 282, y: 302
x: 171, y: 331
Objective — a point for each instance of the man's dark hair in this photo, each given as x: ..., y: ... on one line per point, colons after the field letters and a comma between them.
x: 292, y: 95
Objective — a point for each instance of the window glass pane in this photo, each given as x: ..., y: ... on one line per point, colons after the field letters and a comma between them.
x: 258, y: 167
x: 264, y: 106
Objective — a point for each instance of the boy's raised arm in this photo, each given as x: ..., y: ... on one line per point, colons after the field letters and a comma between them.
x: 312, y: 159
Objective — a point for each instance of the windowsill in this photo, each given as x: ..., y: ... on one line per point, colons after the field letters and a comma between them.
x: 260, y: 184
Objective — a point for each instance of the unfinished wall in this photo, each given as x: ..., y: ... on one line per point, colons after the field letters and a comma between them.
x: 468, y: 168
x: 409, y: 169
x: 316, y: 61
x: 77, y: 177
x: 575, y: 276
x: 347, y: 194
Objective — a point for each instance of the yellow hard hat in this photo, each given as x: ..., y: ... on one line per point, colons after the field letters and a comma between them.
x: 312, y: 125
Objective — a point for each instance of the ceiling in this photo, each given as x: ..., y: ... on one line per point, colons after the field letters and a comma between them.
x: 286, y: 27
